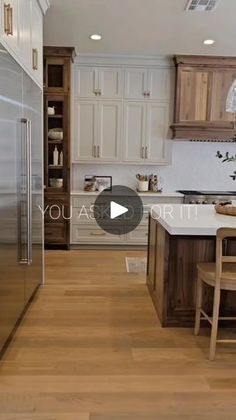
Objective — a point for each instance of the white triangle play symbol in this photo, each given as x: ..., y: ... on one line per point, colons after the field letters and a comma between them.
x: 117, y: 210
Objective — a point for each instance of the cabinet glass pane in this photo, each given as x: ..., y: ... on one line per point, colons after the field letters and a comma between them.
x: 55, y: 76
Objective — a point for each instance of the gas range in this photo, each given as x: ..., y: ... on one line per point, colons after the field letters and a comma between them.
x: 207, y: 197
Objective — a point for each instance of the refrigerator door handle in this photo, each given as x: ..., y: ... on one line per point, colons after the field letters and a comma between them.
x: 29, y: 191
x: 26, y: 143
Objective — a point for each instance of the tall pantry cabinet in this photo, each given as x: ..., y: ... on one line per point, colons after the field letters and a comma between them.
x: 57, y: 98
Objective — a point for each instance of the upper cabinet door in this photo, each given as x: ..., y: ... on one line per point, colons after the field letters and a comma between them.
x: 10, y: 24
x: 134, y: 131
x: 159, y: 84
x: 85, y: 139
x: 109, y: 130
x: 136, y: 83
x: 86, y: 82
x: 110, y: 83
x: 221, y: 83
x: 101, y: 83
x: 194, y: 94
x: 157, y: 127
x: 25, y: 32
x: 37, y: 42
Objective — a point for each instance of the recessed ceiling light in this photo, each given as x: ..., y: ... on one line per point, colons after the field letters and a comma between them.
x: 95, y: 37
x: 209, y: 42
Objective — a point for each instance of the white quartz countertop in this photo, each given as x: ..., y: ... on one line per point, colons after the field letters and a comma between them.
x: 145, y: 194
x: 184, y: 219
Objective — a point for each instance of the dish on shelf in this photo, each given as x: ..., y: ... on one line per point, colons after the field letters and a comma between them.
x: 56, y: 182
x: 55, y: 134
x: 51, y: 110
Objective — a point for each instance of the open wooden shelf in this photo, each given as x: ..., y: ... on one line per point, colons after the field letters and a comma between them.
x: 55, y: 116
x: 57, y: 71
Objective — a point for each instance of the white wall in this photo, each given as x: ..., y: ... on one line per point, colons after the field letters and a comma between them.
x: 194, y: 166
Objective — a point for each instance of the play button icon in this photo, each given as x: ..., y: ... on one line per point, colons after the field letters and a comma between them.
x: 118, y: 211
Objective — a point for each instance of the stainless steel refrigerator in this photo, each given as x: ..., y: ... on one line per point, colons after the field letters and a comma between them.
x: 21, y: 192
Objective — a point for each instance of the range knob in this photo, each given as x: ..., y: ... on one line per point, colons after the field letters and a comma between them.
x: 198, y: 202
x: 215, y: 202
x: 205, y: 202
x: 192, y: 202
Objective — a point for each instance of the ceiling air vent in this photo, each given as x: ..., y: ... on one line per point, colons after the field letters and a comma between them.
x: 201, y: 5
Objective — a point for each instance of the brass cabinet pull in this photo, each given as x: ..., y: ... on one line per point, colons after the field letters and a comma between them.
x: 146, y: 153
x: 35, y: 58
x: 98, y: 151
x: 94, y: 151
x: 97, y: 233
x: 142, y: 153
x: 8, y: 19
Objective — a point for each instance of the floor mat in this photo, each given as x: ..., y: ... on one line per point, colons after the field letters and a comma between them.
x: 136, y: 265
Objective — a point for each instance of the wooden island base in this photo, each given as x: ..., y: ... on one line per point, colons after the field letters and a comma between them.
x: 172, y: 274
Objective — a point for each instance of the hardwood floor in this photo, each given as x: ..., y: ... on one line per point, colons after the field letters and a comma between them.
x: 91, y: 348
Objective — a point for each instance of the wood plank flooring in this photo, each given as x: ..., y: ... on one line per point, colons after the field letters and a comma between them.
x: 91, y: 348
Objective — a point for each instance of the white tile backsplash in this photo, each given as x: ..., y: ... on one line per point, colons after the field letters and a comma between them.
x: 194, y: 166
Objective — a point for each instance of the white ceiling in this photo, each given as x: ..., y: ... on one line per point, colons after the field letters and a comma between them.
x: 141, y: 27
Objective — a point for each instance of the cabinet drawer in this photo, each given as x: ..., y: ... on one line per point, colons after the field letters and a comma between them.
x: 93, y: 234
x: 57, y: 210
x: 82, y: 200
x: 55, y: 232
x: 149, y: 201
x: 82, y: 215
x: 139, y: 236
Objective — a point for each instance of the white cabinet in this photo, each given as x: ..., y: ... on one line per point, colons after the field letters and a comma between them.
x: 136, y: 83
x: 37, y: 41
x: 25, y: 32
x: 21, y: 33
x: 134, y: 131
x: 85, y: 140
x: 145, y: 132
x: 86, y: 82
x: 109, y: 130
x: 122, y: 111
x: 157, y: 127
x: 110, y: 82
x: 85, y: 231
x: 10, y: 24
x: 97, y: 131
x: 95, y: 82
x: 144, y: 83
x: 159, y: 84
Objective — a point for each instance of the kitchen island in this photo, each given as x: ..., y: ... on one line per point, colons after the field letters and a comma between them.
x: 181, y: 236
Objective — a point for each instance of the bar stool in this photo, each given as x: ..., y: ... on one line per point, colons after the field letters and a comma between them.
x: 222, y: 276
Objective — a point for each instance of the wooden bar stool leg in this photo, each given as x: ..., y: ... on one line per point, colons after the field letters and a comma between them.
x: 215, y: 321
x: 198, y: 305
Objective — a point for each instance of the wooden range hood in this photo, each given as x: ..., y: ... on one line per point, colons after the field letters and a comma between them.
x: 202, y: 85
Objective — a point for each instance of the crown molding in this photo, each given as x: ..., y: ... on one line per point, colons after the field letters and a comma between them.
x: 113, y: 59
